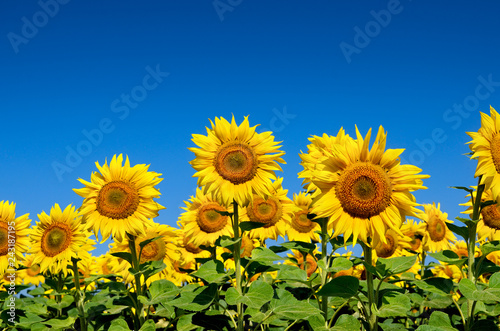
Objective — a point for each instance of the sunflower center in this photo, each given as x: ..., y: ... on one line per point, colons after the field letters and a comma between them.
x: 364, y: 190
x: 495, y: 151
x: 387, y: 249
x: 117, y: 200
x: 4, y: 236
x: 209, y: 220
x: 311, y: 265
x: 267, y: 211
x: 437, y: 229
x: 462, y: 253
x: 491, y: 216
x: 236, y: 162
x: 154, y: 251
x: 33, y: 270
x: 190, y: 247
x: 415, y: 244
x: 301, y: 223
x: 56, y: 239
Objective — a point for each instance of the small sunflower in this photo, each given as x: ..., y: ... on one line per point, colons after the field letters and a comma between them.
x: 460, y: 248
x: 301, y: 227
x: 235, y: 162
x: 31, y: 275
x: 437, y: 235
x: 57, y: 238
x: 485, y: 145
x: 365, y: 191
x: 119, y: 199
x: 394, y: 245
x: 415, y: 231
x: 489, y: 217
x: 202, y: 221
x: 14, y: 239
x: 448, y: 271
x: 296, y: 258
x: 275, y: 212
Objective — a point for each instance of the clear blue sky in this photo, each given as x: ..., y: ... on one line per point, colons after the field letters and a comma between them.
x: 147, y: 75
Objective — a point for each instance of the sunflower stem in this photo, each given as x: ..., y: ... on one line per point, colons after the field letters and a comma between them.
x: 324, y: 257
x: 237, y: 263
x: 372, y: 318
x: 139, y: 310
x: 79, y: 296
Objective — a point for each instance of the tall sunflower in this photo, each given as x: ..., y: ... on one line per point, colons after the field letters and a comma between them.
x: 57, y: 238
x: 365, y: 191
x: 301, y: 227
x: 437, y: 236
x: 489, y: 218
x: 203, y: 222
x: 119, y: 199
x: 485, y: 145
x: 14, y: 239
x: 31, y: 275
x: 275, y: 212
x: 235, y: 162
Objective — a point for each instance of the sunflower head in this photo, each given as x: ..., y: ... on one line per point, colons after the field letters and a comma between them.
x: 235, y: 162
x: 437, y: 235
x: 119, y: 199
x: 14, y: 236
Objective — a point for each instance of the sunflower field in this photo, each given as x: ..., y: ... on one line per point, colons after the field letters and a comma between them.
x: 418, y: 269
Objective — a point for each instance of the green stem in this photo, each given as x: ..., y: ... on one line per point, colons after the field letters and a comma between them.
x: 237, y: 263
x: 324, y: 256
x: 79, y: 296
x: 372, y: 318
x: 422, y: 273
x: 139, y: 310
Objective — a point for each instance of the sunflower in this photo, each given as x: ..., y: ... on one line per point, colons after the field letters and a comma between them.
x: 297, y: 259
x: 105, y: 264
x: 57, y: 238
x: 14, y: 240
x: 485, y: 145
x: 31, y: 275
x: 437, y: 236
x: 415, y: 231
x: 315, y: 155
x: 161, y: 249
x: 394, y: 245
x: 364, y: 192
x: 460, y: 248
x: 235, y: 162
x: 301, y: 227
x: 275, y: 212
x: 489, y: 217
x: 119, y: 199
x: 202, y: 221
x: 448, y: 271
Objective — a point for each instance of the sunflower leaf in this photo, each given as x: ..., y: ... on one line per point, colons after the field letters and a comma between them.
x: 247, y: 226
x: 347, y: 323
x: 395, y: 265
x: 393, y: 304
x: 123, y: 255
x: 265, y: 256
x: 339, y: 264
x: 300, y: 246
x: 462, y: 231
x: 467, y: 189
x: 212, y: 272
x: 197, y: 300
x: 467, y: 221
x: 448, y: 256
x: 487, y: 203
x: 342, y: 286
x: 491, y: 246
x: 437, y: 285
x: 144, y: 243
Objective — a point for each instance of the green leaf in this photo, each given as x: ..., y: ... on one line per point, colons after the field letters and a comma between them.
x: 466, y: 221
x: 393, y: 304
x: 196, y: 300
x: 119, y: 324
x: 448, y: 256
x: 226, y: 241
x: 160, y: 291
x: 339, y: 264
x: 60, y: 323
x: 487, y: 203
x: 441, y: 320
x: 258, y: 294
x: 387, y: 325
x: 317, y: 322
x: 185, y: 323
x: 396, y: 265
x: 438, y: 285
x: 437, y: 301
x: 300, y: 246
x: 265, y: 256
x: 494, y: 281
x: 467, y: 189
x: 299, y: 310
x: 212, y: 272
x: 338, y: 242
x: 343, y: 286
x: 347, y: 323
x: 149, y: 325
x: 467, y: 288
x: 143, y: 244
x: 26, y: 322
x: 37, y: 309
x: 247, y: 226
x: 490, y: 246
x: 123, y: 255
x: 462, y: 231
x: 290, y: 272
x: 66, y: 301
x: 471, y: 292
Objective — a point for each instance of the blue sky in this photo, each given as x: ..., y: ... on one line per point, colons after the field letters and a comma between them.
x: 82, y: 81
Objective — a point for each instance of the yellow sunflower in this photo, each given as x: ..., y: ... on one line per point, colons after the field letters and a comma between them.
x: 315, y: 155
x: 301, y: 227
x: 395, y: 245
x: 31, y: 275
x: 437, y: 236
x: 275, y: 212
x: 14, y: 239
x: 448, y: 271
x: 485, y: 145
x: 57, y: 238
x: 415, y: 231
x: 297, y: 259
x: 365, y: 191
x: 202, y: 221
x: 104, y: 264
x: 235, y: 162
x: 460, y: 248
x: 119, y: 199
x: 489, y: 217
